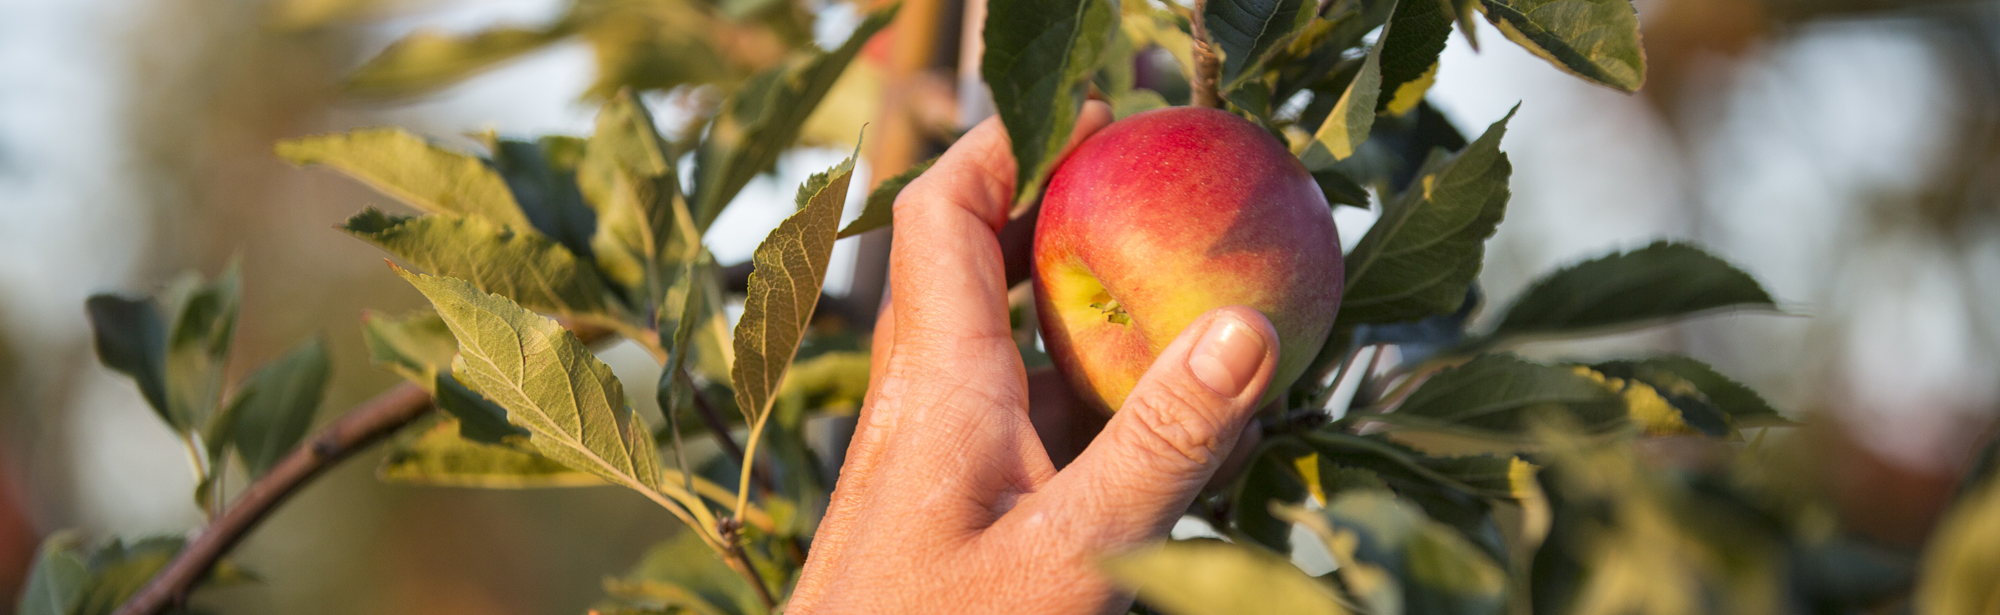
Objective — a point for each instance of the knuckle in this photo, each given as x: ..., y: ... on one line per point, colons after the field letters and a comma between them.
x: 1173, y: 423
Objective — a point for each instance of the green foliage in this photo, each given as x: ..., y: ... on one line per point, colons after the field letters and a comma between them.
x: 417, y: 172
x: 1593, y: 39
x: 1436, y: 570
x: 426, y: 60
x: 132, y: 340
x: 437, y: 455
x: 1347, y: 126
x: 275, y: 407
x: 880, y: 208
x: 1200, y: 577
x: 1039, y: 57
x: 1246, y: 30
x: 1420, y: 256
x: 527, y: 268
x: 1660, y: 281
x: 56, y: 584
x: 1502, y: 397
x: 683, y: 575
x: 70, y: 579
x: 1415, y: 37
x: 415, y: 346
x: 628, y: 177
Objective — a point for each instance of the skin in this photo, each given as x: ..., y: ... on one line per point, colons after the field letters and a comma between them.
x: 1172, y: 213
x: 951, y: 493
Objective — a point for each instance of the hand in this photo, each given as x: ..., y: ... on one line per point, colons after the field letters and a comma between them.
x: 948, y: 497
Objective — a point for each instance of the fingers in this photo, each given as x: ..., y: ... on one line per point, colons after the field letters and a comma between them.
x: 1175, y: 430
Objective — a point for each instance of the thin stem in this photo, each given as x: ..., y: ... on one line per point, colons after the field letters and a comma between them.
x: 749, y: 463
x: 739, y: 559
x: 1207, y: 92
x: 367, y: 424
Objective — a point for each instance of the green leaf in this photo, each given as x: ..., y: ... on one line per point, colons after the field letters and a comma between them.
x: 132, y: 340
x: 1348, y: 125
x: 1439, y: 571
x: 880, y: 209
x: 1039, y: 58
x: 56, y: 584
x: 570, y: 403
x: 431, y: 60
x: 438, y: 456
x: 1205, y: 577
x: 119, y: 571
x: 683, y: 575
x: 1453, y: 490
x: 1125, y: 104
x: 414, y: 171
x: 1415, y: 37
x: 651, y: 45
x: 790, y: 267
x: 1502, y: 396
x: 764, y: 118
x: 276, y: 406
x: 479, y: 419
x: 628, y: 175
x: 542, y: 176
x: 1419, y: 257
x: 1690, y: 383
x: 198, y: 340
x: 415, y: 346
x: 527, y: 268
x: 1660, y: 281
x: 1593, y: 39
x: 1246, y: 30
x: 1270, y: 479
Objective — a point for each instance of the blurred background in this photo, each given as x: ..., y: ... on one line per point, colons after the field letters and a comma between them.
x: 1845, y: 152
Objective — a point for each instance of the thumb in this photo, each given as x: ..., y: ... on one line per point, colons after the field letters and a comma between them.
x: 1175, y: 429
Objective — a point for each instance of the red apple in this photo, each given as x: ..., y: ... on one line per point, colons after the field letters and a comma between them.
x: 1163, y: 216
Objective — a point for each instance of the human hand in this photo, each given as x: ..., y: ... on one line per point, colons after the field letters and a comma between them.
x: 949, y: 497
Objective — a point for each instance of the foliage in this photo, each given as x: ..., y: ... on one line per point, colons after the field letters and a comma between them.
x: 1463, y: 479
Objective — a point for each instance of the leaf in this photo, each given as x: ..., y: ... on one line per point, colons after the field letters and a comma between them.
x: 527, y: 268
x: 1348, y: 125
x: 651, y: 45
x: 1501, y: 396
x: 59, y: 577
x: 1205, y: 577
x: 1038, y: 61
x: 1420, y: 256
x: 1439, y: 571
x: 1689, y: 383
x: 570, y: 403
x: 1415, y: 37
x: 1246, y: 30
x: 1340, y: 189
x: 198, y: 341
x: 276, y: 406
x: 1964, y: 558
x: 414, y: 171
x: 1271, y: 478
x: 879, y: 211
x: 132, y: 340
x: 1657, y: 282
x: 1125, y: 104
x: 415, y: 346
x: 119, y: 571
x: 1593, y: 39
x: 628, y: 175
x: 1456, y: 491
x: 430, y: 60
x: 439, y: 456
x: 542, y: 176
x: 790, y: 267
x: 682, y: 575
x: 764, y: 118
x: 479, y: 419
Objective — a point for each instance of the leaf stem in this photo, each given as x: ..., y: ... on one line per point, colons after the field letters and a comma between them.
x: 1206, y: 84
x: 739, y: 559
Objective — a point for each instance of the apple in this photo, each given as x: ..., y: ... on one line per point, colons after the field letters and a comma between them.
x: 1165, y: 215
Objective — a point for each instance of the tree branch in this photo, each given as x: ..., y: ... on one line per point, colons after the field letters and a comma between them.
x: 1207, y: 89
x: 365, y: 425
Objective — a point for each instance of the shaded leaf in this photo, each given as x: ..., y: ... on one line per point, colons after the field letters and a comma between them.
x: 479, y: 419
x: 1272, y: 478
x: 682, y: 573
x: 1594, y: 39
x: 879, y: 211
x: 1246, y: 30
x: 1351, y: 119
x: 118, y: 571
x: 542, y: 176
x: 439, y: 456
x: 790, y: 267
x: 1501, y: 396
x: 1439, y: 571
x: 651, y: 45
x: 1205, y: 577
x: 1411, y: 45
x: 414, y: 171
x: 1690, y: 383
x: 198, y: 341
x: 1340, y: 189
x: 1038, y: 61
x: 1656, y: 282
x: 1428, y: 246
x: 132, y: 340
x: 527, y: 268
x: 628, y: 175
x: 58, y: 579
x: 275, y: 408
x: 764, y: 118
x: 430, y: 60
x: 415, y: 346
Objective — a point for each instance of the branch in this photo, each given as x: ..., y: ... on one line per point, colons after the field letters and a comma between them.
x: 1207, y: 89
x: 364, y: 425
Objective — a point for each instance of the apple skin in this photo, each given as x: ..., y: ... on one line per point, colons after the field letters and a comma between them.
x: 1172, y: 213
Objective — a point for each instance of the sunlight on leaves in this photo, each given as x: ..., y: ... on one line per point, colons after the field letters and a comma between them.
x: 1348, y: 125
x: 1501, y: 396
x: 1205, y: 577
x: 413, y: 170
x: 1593, y: 39
x: 528, y: 268
x: 1040, y: 55
x: 415, y: 346
x: 1647, y: 285
x: 438, y: 456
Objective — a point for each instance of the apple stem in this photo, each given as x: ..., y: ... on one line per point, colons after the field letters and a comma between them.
x: 1206, y: 85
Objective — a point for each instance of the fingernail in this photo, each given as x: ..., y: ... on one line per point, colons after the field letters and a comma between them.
x: 1227, y: 356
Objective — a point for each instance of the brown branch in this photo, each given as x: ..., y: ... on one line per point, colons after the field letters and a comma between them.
x: 1207, y: 87
x: 720, y: 429
x: 365, y: 425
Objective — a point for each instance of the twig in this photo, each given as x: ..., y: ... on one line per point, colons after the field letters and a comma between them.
x: 738, y: 558
x: 366, y: 424
x: 1207, y: 87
